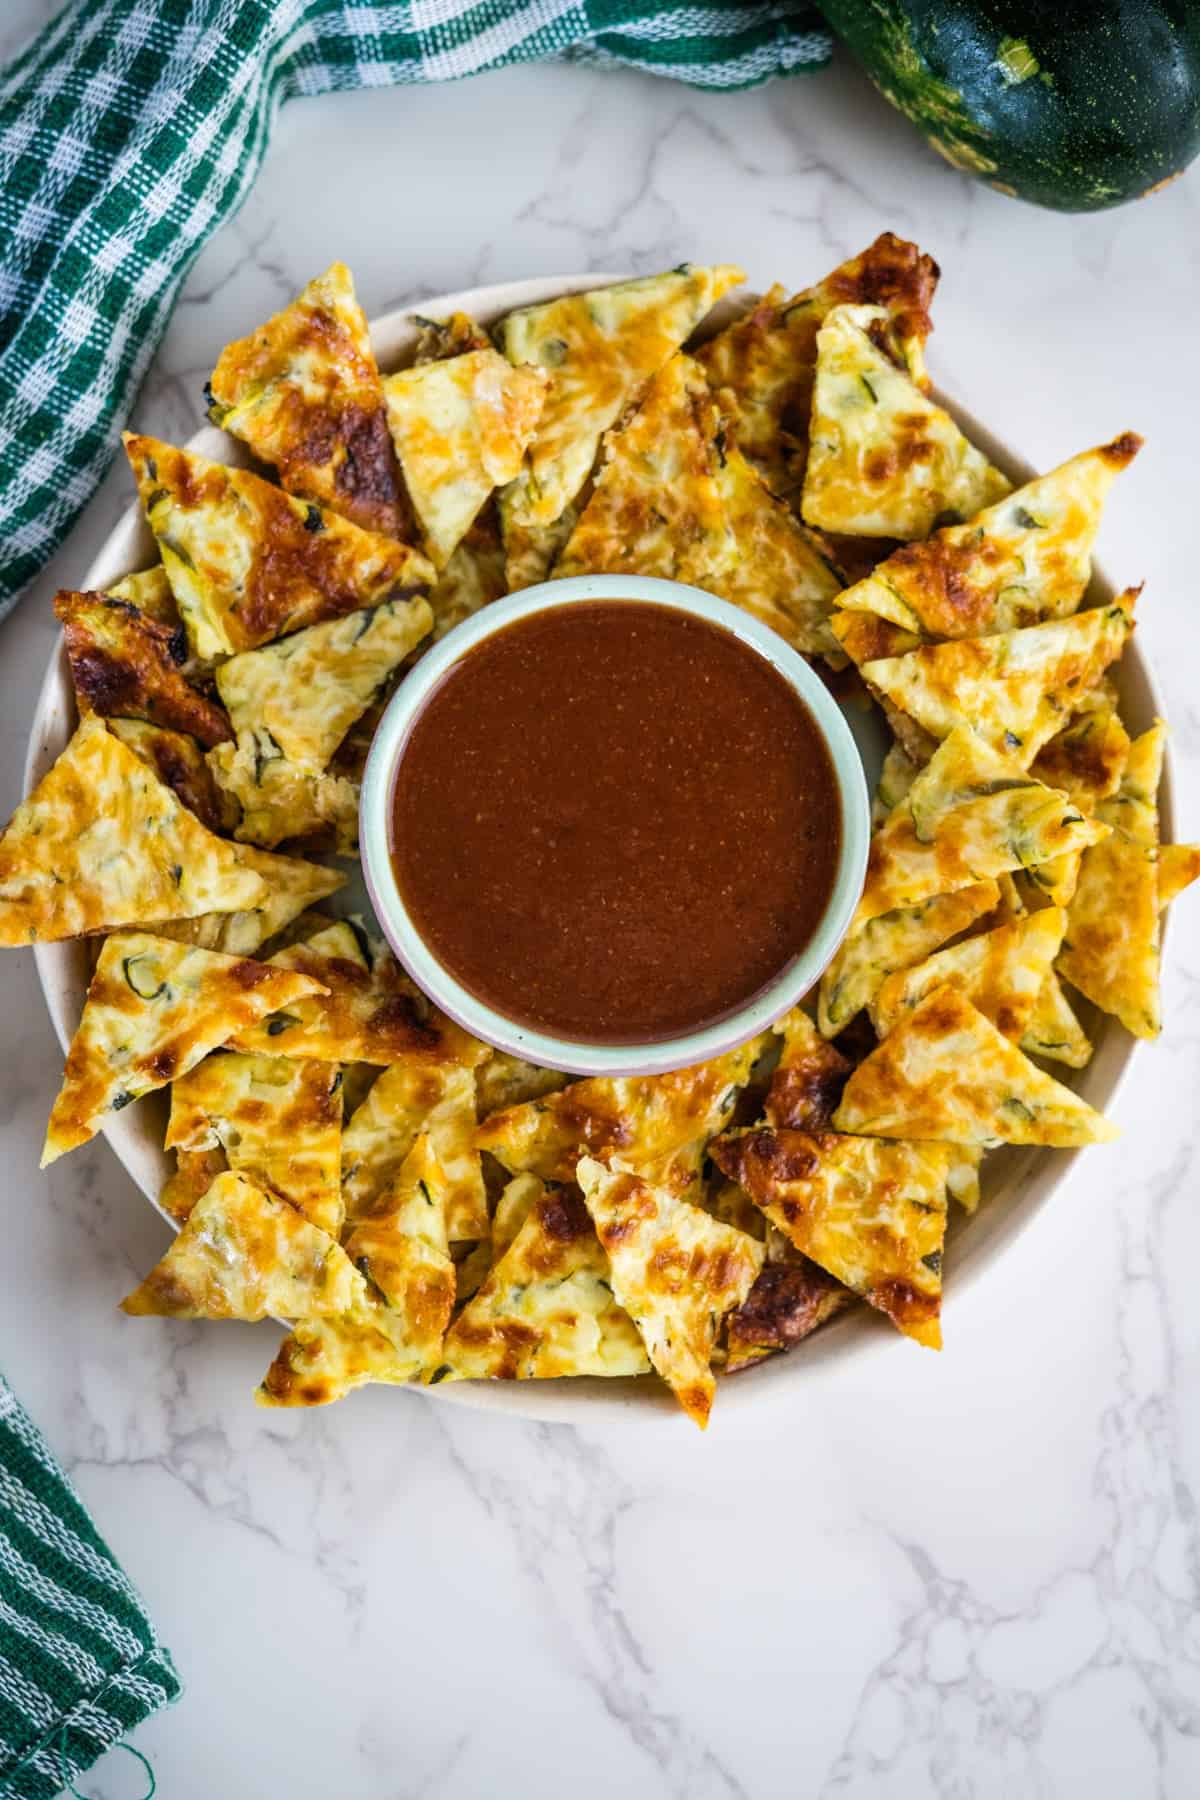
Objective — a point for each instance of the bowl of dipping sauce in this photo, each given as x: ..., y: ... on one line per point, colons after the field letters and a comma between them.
x: 614, y: 825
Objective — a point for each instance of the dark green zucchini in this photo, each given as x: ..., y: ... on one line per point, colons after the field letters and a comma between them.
x: 1071, y: 105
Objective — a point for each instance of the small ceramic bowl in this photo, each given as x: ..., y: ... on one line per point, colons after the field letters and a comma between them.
x: 789, y: 986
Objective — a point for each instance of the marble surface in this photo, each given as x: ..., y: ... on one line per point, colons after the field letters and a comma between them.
x: 968, y: 1576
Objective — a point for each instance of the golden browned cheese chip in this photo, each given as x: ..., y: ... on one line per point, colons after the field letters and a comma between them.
x: 872, y: 1214
x: 248, y: 562
x: 970, y: 815
x: 531, y: 550
x: 808, y: 1079
x: 193, y: 1175
x: 242, y: 1254
x: 413, y: 1097
x: 324, y: 1358
x: 894, y: 940
x: 780, y: 573
x: 547, y: 1307
x: 1013, y: 689
x: 473, y: 577
x: 788, y: 1302
x: 303, y: 391
x: 179, y: 763
x: 1178, y: 867
x: 637, y: 1118
x: 403, y: 1251
x: 460, y: 426
x: 279, y: 800
x: 150, y: 591
x: 1025, y: 559
x: 657, y: 506
x: 154, y: 1008
x: 1086, y: 759
x: 767, y: 359
x: 292, y: 886
x: 945, y: 1074
x: 1002, y: 972
x: 883, y: 459
x: 505, y: 1080
x: 676, y: 1272
x: 102, y: 842
x: 599, y: 349
x: 277, y: 1119
x: 371, y: 1013
x: 517, y: 1200
x: 125, y: 665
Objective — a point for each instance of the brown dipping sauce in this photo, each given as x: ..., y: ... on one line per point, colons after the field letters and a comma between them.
x: 615, y: 822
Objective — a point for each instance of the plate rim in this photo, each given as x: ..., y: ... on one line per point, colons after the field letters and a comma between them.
x: 572, y: 1401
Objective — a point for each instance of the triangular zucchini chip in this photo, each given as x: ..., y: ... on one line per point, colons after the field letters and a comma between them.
x: 1052, y: 1029
x: 790, y: 1299
x: 1015, y: 689
x: 636, y: 1117
x: 278, y: 1120
x: 970, y: 814
x: 809, y: 1076
x: 779, y: 575
x: 599, y: 350
x: 248, y: 562
x: 766, y: 360
x: 675, y: 1271
x: 1002, y: 972
x: 1111, y: 952
x: 403, y: 1250
x: 417, y: 1096
x: 872, y: 1214
x: 307, y: 690
x: 547, y: 1307
x: 657, y: 506
x: 473, y: 577
x: 126, y: 665
x: 323, y: 1359
x: 1178, y: 867
x: 893, y: 941
x: 153, y: 1009
x: 280, y: 801
x: 303, y: 391
x: 292, y: 886
x: 1087, y: 758
x: 883, y: 460
x: 946, y: 1074
x: 102, y: 842
x: 371, y: 1013
x: 243, y: 1254
x: 503, y: 1081
x: 461, y: 426
x: 179, y: 763
x: 1026, y: 559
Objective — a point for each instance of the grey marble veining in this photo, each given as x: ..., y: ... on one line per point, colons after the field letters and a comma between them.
x: 967, y: 1577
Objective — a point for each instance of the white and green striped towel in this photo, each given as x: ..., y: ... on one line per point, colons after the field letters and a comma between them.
x: 131, y: 129
x: 80, y: 1664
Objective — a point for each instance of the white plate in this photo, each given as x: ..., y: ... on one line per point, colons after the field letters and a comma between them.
x: 1017, y: 1183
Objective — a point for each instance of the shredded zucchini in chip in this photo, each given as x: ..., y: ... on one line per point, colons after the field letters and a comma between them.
x: 277, y: 1119
x: 883, y: 460
x: 154, y: 1008
x: 461, y: 426
x: 872, y: 1214
x: 892, y: 941
x: 248, y: 562
x: 102, y: 842
x: 780, y: 574
x: 675, y: 1271
x: 281, y: 800
x: 241, y: 1254
x: 599, y: 350
x: 1002, y: 972
x: 946, y: 1074
x: 415, y: 1097
x: 291, y: 887
x: 179, y: 762
x: 1023, y: 560
x: 303, y: 391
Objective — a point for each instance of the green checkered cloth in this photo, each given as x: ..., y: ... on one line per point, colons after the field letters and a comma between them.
x: 80, y: 1665
x: 131, y: 129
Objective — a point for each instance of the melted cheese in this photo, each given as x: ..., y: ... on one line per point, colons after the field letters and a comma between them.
x: 248, y: 562
x: 884, y: 461
x: 872, y: 1214
x: 599, y: 350
x: 1002, y: 972
x: 127, y: 665
x: 154, y: 1008
x: 242, y: 1254
x: 675, y: 1271
x: 946, y: 1074
x: 179, y: 763
x: 292, y: 886
x: 280, y: 800
x: 403, y: 1250
x: 893, y: 941
x: 780, y: 575
x: 277, y: 1119
x: 808, y: 1078
x: 101, y: 843
x: 416, y: 1096
x: 461, y: 426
